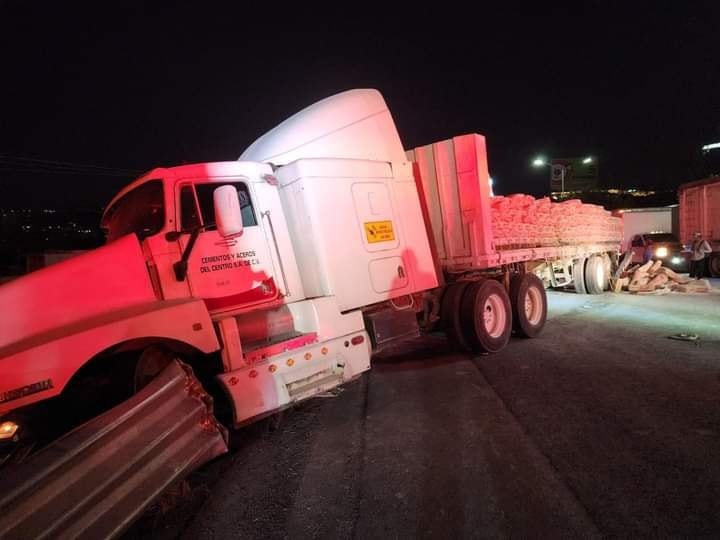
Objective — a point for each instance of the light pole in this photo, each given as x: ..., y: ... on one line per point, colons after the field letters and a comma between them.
x: 541, y: 162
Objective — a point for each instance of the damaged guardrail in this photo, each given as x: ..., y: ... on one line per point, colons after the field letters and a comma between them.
x: 96, y: 480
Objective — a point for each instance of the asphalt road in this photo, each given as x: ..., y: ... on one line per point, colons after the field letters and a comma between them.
x: 602, y: 426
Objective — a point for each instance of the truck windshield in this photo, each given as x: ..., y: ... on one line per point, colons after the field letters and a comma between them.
x: 140, y: 211
x: 661, y: 237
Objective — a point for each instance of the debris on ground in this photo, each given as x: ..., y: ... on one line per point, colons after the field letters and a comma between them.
x: 684, y: 337
x: 654, y: 278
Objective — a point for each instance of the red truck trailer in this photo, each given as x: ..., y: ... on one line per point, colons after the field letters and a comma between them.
x: 700, y: 212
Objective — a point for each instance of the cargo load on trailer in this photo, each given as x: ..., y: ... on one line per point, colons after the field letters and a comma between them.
x: 524, y: 221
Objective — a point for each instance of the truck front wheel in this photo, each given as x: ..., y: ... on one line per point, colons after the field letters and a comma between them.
x: 150, y: 363
x: 529, y: 304
x: 486, y: 316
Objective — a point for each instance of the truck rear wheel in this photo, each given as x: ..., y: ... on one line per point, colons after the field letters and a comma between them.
x: 714, y: 265
x: 486, y: 316
x: 529, y: 304
x: 595, y: 276
x: 450, y: 313
x: 578, y: 275
x: 607, y: 262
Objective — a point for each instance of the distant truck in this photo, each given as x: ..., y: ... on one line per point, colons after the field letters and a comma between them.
x: 662, y: 219
x: 276, y: 276
x: 700, y: 212
x: 663, y: 247
x: 651, y: 233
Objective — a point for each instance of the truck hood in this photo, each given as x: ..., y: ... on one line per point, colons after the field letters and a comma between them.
x: 108, y: 278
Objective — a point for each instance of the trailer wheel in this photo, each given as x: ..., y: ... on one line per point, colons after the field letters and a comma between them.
x: 607, y: 262
x: 595, y: 277
x: 450, y: 313
x: 529, y: 304
x: 714, y: 265
x: 486, y: 316
x: 578, y: 275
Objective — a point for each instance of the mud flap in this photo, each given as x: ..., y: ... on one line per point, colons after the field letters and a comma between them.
x: 96, y: 480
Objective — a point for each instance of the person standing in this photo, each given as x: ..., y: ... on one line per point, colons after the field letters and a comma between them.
x: 649, y: 251
x: 700, y: 248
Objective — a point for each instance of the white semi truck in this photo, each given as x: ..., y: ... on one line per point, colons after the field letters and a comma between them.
x: 276, y: 276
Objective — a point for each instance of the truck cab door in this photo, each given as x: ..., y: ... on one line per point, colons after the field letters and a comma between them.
x: 227, y: 273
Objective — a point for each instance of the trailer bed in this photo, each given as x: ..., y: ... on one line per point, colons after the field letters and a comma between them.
x: 471, y: 229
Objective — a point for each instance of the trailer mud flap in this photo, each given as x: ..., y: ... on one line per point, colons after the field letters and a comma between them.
x: 96, y: 480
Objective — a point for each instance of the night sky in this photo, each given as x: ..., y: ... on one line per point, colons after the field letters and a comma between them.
x: 132, y: 87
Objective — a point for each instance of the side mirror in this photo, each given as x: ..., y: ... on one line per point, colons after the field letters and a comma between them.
x: 228, y: 216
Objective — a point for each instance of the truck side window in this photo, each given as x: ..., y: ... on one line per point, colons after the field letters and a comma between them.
x: 637, y: 241
x: 140, y: 211
x: 189, y: 218
x: 207, y: 208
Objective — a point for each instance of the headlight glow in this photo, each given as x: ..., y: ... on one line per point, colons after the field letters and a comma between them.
x: 676, y: 260
x: 661, y: 252
x: 7, y: 430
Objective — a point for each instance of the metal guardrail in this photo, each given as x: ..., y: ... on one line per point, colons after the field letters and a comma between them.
x: 96, y: 480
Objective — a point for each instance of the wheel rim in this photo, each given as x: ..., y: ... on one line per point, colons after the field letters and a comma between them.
x: 494, y: 316
x: 533, y: 306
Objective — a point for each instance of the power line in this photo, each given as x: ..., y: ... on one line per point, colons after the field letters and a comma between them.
x: 66, y: 172
x: 53, y: 164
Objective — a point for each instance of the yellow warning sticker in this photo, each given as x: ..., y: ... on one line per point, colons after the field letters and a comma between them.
x: 379, y: 231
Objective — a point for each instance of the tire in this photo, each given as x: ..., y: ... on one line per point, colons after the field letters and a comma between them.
x: 595, y: 277
x: 150, y: 363
x: 450, y: 314
x: 95, y: 389
x: 486, y: 316
x: 529, y: 304
x: 607, y: 262
x: 714, y: 265
x: 578, y: 275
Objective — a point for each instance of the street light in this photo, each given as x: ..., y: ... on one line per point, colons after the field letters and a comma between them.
x: 541, y: 162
